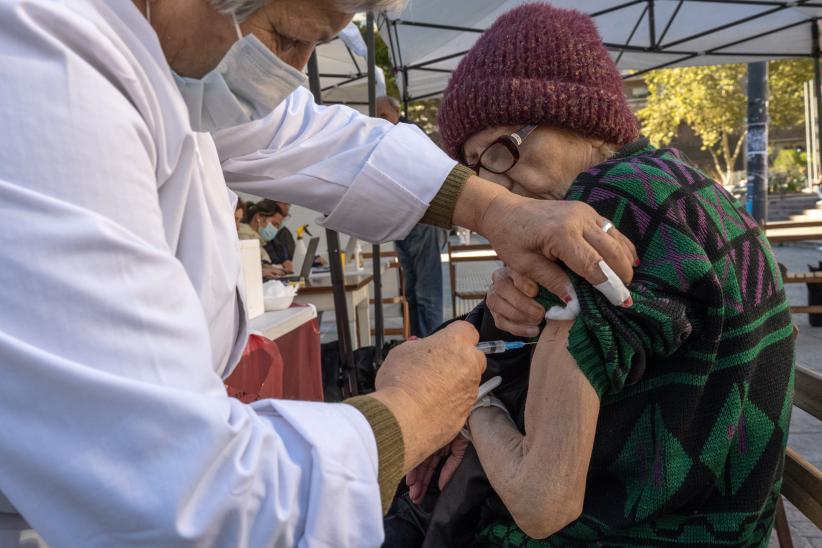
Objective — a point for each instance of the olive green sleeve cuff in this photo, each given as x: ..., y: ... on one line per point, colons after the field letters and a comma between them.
x: 390, y: 447
x: 441, y: 209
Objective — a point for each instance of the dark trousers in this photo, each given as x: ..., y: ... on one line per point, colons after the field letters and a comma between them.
x: 419, y: 255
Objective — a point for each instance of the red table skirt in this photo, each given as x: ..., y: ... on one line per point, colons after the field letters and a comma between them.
x: 287, y: 368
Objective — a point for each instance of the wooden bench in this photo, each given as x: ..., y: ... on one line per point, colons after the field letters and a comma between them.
x: 793, y: 231
x: 802, y: 278
x: 801, y: 480
x: 793, y: 224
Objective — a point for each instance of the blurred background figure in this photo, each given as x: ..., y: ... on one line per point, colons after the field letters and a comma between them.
x: 419, y: 254
x: 262, y: 222
x: 388, y: 108
x: 281, y: 248
x: 239, y: 213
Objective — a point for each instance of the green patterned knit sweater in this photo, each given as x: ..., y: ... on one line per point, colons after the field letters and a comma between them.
x: 695, y: 380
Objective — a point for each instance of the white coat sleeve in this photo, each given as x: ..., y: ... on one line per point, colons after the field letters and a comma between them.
x: 335, y: 160
x: 115, y: 429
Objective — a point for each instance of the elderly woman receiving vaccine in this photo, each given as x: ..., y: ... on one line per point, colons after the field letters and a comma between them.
x: 660, y: 424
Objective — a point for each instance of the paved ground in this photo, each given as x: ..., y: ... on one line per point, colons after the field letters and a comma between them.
x: 806, y: 431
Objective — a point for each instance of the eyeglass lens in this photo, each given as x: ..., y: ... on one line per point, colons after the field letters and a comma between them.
x: 497, y: 158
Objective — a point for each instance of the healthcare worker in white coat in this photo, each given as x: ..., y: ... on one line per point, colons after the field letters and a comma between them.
x: 120, y: 302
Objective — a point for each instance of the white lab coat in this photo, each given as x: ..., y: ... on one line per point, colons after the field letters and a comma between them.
x: 121, y: 308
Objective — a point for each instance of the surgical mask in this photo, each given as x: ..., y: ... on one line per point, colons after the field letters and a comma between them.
x: 248, y: 83
x: 268, y: 232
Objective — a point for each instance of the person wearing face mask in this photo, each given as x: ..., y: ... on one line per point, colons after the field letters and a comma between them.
x: 263, y: 223
x: 281, y: 248
x: 124, y: 122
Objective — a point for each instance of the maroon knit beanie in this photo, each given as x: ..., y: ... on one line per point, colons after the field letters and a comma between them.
x: 537, y: 64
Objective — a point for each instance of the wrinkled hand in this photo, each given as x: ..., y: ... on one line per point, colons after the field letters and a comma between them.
x: 510, y: 300
x: 419, y: 478
x: 430, y: 385
x: 529, y: 235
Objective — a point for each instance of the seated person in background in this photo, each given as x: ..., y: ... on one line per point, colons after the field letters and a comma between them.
x: 661, y: 424
x: 281, y: 247
x: 239, y: 214
x: 262, y: 222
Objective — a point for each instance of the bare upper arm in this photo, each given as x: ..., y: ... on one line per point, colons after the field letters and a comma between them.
x: 561, y: 414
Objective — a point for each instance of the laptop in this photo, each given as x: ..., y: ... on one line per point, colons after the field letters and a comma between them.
x: 305, y: 268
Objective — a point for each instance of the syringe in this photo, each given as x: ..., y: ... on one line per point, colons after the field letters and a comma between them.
x: 498, y: 347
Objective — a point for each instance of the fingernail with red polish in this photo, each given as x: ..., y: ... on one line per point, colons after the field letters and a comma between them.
x: 567, y: 299
x: 637, y: 262
x: 628, y: 303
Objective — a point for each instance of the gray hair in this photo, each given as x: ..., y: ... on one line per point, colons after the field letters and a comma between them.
x: 244, y: 8
x: 393, y: 101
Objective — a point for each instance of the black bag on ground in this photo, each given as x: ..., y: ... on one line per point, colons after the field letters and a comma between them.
x: 333, y: 368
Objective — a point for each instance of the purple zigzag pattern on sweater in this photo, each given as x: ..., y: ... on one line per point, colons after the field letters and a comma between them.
x: 603, y: 194
x: 675, y: 257
x: 667, y: 169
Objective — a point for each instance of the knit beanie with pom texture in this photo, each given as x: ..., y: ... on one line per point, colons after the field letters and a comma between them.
x: 537, y: 64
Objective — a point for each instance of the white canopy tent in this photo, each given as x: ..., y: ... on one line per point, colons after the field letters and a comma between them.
x: 429, y: 37
x: 344, y: 75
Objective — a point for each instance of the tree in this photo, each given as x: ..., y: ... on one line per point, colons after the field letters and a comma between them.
x: 712, y: 101
x: 785, y: 80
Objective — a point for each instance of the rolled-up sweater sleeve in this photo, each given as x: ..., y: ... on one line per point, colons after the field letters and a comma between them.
x: 614, y: 345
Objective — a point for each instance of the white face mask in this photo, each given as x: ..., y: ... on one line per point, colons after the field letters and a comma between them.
x: 248, y: 83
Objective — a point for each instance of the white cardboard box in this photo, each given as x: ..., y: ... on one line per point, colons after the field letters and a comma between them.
x: 253, y: 277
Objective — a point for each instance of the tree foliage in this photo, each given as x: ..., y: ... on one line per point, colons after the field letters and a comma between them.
x: 712, y: 101
x: 785, y: 81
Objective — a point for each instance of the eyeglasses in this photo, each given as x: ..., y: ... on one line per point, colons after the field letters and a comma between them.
x: 502, y: 154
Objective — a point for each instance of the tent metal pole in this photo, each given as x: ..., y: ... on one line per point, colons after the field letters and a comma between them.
x: 651, y: 24
x: 350, y: 386
x: 663, y: 65
x: 345, y: 82
x: 631, y: 36
x: 738, y: 22
x: 810, y: 147
x: 616, y: 8
x: 388, y: 28
x: 438, y: 26
x: 437, y: 60
x: 754, y: 37
x: 405, y: 90
x: 443, y: 71
x: 757, y: 141
x: 379, y: 328
x: 670, y: 22
x: 425, y: 96
x: 817, y: 89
